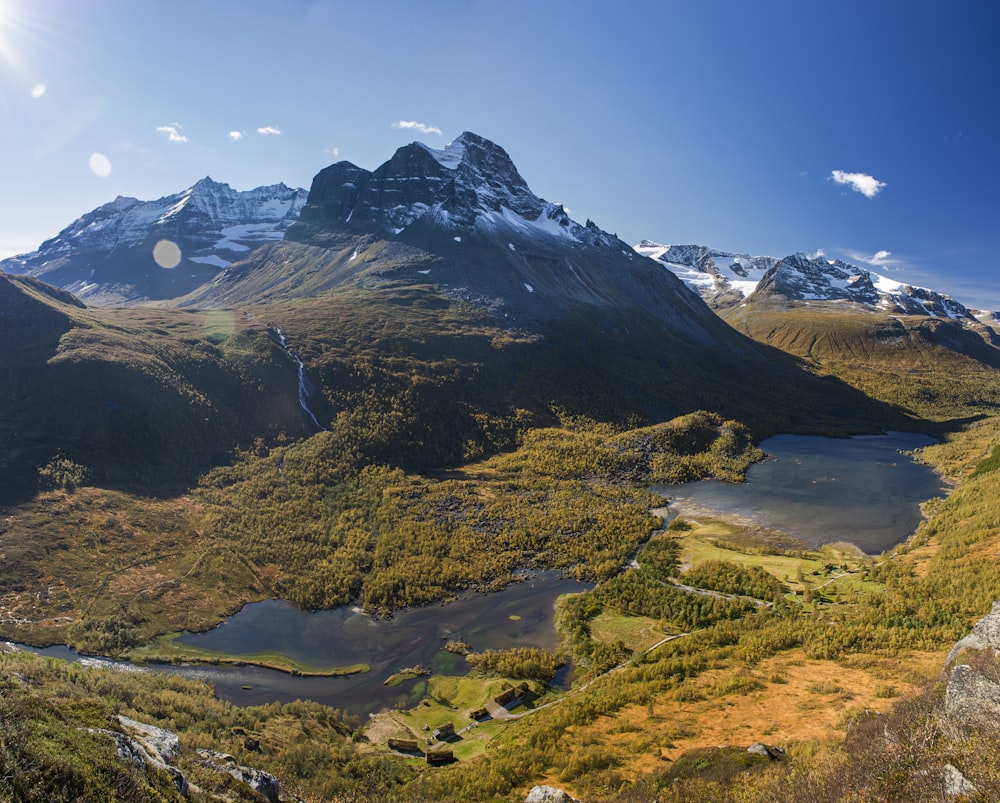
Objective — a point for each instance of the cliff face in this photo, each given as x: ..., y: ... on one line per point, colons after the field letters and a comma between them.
x: 972, y: 698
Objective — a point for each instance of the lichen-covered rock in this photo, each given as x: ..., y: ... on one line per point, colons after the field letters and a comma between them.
x: 261, y: 782
x: 971, y: 698
x: 148, y: 750
x: 985, y: 634
x: 162, y: 745
x: 955, y: 783
x: 548, y: 794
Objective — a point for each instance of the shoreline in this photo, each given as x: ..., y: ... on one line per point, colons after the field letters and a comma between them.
x: 166, y: 650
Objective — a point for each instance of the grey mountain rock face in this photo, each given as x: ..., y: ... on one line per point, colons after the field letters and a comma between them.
x: 463, y: 221
x: 470, y: 176
x: 106, y: 256
x: 972, y: 697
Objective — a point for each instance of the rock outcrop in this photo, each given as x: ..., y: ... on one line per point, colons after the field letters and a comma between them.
x: 972, y: 697
x: 146, y: 745
x: 549, y: 794
x: 261, y: 782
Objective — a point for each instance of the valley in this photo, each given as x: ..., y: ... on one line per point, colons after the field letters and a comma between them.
x: 444, y: 419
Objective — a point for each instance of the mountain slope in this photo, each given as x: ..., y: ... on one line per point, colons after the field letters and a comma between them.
x: 129, y: 396
x: 530, y: 309
x: 910, y: 346
x: 106, y: 257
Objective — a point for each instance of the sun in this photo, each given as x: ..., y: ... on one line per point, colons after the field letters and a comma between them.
x: 9, y: 24
x: 25, y: 34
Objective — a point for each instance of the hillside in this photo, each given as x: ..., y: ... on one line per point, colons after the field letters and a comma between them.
x: 140, y: 398
x: 932, y: 367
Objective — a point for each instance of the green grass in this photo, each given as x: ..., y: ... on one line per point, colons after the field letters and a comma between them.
x: 167, y: 650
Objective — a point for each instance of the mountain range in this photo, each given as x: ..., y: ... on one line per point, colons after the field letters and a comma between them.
x: 436, y: 292
x: 725, y: 279
x: 107, y: 257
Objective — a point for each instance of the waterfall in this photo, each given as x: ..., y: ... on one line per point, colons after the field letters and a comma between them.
x: 304, y: 385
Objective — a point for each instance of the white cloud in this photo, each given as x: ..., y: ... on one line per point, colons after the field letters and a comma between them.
x: 236, y: 136
x: 880, y: 259
x: 269, y: 131
x: 173, y: 132
x: 333, y: 152
x: 819, y: 253
x: 869, y: 186
x: 423, y: 129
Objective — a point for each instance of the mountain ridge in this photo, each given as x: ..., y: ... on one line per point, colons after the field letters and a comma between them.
x: 107, y: 256
x: 725, y: 279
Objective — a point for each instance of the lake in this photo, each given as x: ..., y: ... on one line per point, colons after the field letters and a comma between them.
x: 863, y: 489
x: 521, y: 615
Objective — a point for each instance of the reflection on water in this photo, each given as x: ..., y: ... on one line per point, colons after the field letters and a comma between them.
x: 520, y: 615
x: 821, y: 490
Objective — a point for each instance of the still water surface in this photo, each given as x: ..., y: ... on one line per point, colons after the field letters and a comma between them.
x: 520, y: 615
x: 864, y: 489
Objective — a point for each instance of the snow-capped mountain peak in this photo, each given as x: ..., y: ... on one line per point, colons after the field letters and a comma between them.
x: 470, y: 186
x: 106, y: 256
x: 725, y: 280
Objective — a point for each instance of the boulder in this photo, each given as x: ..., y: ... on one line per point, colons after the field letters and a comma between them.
x: 767, y: 751
x: 261, y: 782
x: 972, y: 697
x: 549, y: 794
x: 156, y: 749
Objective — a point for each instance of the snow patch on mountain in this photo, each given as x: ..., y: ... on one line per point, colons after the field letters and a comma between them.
x: 451, y: 156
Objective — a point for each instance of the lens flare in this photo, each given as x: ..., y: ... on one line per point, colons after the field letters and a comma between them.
x: 38, y: 90
x: 100, y: 165
x: 167, y: 254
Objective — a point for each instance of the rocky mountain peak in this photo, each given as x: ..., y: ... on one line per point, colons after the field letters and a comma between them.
x: 468, y: 179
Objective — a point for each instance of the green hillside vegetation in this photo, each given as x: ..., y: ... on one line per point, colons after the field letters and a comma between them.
x: 929, y: 367
x: 136, y: 398
x: 330, y: 532
x: 873, y: 620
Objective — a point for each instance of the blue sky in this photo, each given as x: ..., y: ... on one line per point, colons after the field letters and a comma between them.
x: 719, y: 123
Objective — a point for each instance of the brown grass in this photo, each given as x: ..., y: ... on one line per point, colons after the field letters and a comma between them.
x: 799, y: 700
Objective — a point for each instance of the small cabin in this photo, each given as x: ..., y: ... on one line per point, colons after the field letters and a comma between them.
x: 512, y: 695
x: 480, y: 714
x: 445, y: 731
x: 404, y: 746
x: 442, y: 756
